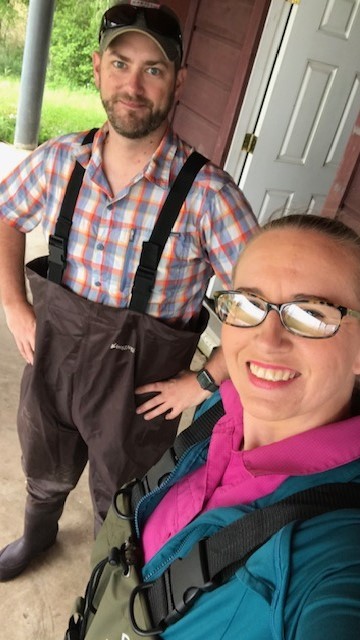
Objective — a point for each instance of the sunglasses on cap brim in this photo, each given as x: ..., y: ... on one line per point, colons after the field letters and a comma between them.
x: 156, y: 20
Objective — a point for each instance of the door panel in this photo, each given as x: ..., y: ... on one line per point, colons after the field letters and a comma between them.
x: 311, y: 103
x: 221, y: 40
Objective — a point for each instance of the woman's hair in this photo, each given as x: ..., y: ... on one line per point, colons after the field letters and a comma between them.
x: 335, y: 229
x: 328, y: 226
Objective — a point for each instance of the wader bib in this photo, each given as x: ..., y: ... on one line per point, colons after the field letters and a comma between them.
x: 77, y: 401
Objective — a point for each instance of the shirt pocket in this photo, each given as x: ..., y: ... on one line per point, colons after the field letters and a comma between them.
x: 179, y: 258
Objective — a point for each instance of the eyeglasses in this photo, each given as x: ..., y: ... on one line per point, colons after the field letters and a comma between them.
x: 156, y: 20
x: 307, y: 318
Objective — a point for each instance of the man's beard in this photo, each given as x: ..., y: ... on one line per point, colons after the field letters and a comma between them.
x: 133, y: 125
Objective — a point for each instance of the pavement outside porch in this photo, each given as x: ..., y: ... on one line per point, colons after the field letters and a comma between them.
x: 37, y: 604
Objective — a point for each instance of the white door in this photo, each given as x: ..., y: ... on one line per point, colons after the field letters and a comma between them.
x: 302, y: 101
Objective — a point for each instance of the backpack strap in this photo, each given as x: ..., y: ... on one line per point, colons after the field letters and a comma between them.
x: 58, y: 241
x: 152, y: 249
x: 213, y: 560
x: 199, y: 430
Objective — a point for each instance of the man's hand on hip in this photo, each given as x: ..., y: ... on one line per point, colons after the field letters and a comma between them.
x: 173, y: 396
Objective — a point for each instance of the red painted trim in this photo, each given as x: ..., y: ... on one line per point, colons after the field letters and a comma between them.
x: 344, y: 175
x: 247, y: 56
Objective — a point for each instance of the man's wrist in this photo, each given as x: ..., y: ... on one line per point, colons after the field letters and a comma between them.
x: 206, y: 381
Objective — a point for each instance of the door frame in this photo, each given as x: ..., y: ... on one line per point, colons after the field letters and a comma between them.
x: 263, y: 75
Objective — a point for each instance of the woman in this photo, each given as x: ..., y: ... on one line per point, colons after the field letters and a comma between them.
x: 291, y: 338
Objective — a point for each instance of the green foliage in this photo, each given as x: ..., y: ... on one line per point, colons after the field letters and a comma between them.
x: 66, y: 110
x: 11, y: 60
x: 63, y: 111
x: 12, y: 35
x: 9, y: 91
x: 74, y: 38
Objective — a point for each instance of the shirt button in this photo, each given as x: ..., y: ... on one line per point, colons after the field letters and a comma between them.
x: 100, y: 246
x: 97, y: 283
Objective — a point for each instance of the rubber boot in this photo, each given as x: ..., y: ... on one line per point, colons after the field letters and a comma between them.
x: 40, y: 531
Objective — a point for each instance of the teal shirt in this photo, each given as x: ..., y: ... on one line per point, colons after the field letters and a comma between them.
x: 303, y: 584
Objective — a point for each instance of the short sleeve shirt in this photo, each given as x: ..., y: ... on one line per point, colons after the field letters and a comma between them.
x: 108, y: 229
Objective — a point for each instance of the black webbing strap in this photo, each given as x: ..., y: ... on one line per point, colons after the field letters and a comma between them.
x: 58, y: 241
x: 152, y: 249
x: 199, y: 430
x: 213, y: 560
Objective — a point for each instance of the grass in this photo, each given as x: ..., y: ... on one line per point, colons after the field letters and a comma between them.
x: 63, y: 110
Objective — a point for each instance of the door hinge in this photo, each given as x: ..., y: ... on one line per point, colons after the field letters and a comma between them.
x: 249, y: 143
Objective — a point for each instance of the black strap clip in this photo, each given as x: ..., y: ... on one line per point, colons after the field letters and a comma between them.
x: 57, y: 250
x: 144, y: 280
x: 182, y: 584
x: 188, y: 579
x: 160, y: 471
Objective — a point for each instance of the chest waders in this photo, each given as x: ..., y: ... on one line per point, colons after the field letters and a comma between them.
x: 77, y: 400
x: 117, y: 605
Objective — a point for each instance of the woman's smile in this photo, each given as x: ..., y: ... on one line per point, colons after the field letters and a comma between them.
x: 270, y: 372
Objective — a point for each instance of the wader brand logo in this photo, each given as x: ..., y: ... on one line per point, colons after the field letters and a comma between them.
x: 122, y: 347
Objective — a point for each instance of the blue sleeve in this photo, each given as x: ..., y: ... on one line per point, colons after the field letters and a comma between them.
x: 332, y: 610
x: 207, y: 404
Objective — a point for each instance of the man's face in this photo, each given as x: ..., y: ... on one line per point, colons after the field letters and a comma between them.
x: 138, y: 86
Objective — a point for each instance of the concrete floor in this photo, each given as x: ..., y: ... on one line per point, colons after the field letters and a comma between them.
x: 36, y: 605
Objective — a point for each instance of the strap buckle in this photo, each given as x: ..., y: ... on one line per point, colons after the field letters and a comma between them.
x: 126, y: 494
x: 144, y: 279
x: 183, y: 582
x: 57, y: 250
x: 140, y: 589
x: 188, y: 578
x: 160, y: 471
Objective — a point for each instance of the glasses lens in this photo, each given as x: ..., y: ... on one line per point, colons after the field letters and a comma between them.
x: 162, y: 23
x: 240, y: 309
x: 118, y: 16
x: 156, y: 20
x: 311, y: 319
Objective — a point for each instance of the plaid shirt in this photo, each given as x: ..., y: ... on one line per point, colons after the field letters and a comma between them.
x: 107, y: 232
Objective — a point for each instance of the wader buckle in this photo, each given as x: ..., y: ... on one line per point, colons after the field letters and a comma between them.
x: 182, y: 584
x: 144, y: 279
x: 57, y: 250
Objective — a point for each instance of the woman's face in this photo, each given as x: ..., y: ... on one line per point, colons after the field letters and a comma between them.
x: 288, y: 383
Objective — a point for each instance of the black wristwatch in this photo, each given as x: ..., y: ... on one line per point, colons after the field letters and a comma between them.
x: 206, y: 381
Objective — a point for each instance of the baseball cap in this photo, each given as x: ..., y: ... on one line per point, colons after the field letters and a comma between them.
x: 157, y: 21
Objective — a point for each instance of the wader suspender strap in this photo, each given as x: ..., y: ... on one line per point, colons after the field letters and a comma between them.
x: 152, y: 249
x: 58, y: 242
x: 213, y: 560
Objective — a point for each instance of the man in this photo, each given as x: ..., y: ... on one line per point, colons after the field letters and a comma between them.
x: 91, y: 353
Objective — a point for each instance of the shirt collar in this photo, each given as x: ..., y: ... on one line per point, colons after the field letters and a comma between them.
x: 83, y: 153
x: 159, y: 170
x: 319, y: 449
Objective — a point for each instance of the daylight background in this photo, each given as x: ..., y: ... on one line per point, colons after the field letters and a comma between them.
x: 70, y: 101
